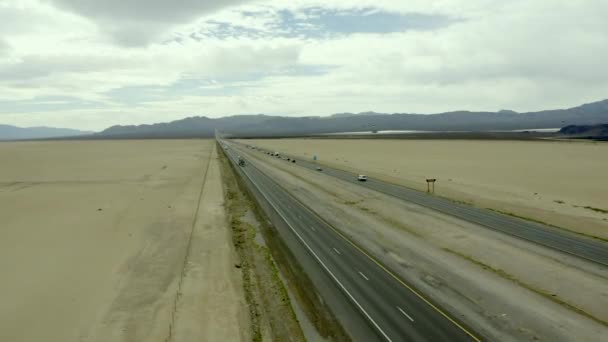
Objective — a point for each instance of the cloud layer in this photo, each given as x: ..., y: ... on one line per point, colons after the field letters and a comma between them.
x: 91, y: 64
x: 134, y: 23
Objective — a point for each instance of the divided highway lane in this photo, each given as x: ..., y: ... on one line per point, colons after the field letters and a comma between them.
x: 580, y: 246
x: 394, y: 310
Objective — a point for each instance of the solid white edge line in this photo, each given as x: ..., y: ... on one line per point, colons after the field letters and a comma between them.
x: 363, y: 275
x: 410, y: 288
x: 321, y: 262
x: 405, y: 314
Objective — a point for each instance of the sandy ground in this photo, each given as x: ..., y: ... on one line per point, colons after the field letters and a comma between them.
x: 505, y: 288
x: 548, y: 181
x: 116, y: 241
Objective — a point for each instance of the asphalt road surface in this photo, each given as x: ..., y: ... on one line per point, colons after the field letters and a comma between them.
x: 391, y: 308
x: 558, y: 239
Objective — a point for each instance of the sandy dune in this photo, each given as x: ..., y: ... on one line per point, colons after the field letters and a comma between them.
x: 548, y: 181
x: 98, y: 237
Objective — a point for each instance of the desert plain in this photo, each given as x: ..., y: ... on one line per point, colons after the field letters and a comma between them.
x: 129, y: 240
x: 556, y: 182
x: 116, y: 241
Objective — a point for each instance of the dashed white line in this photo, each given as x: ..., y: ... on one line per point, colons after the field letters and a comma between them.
x: 405, y: 314
x: 363, y: 275
x: 333, y: 276
x: 313, y: 228
x: 337, y: 251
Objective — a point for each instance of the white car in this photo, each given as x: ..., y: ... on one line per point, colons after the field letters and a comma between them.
x: 362, y: 178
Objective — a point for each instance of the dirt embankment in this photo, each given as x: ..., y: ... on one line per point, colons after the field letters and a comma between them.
x: 504, y: 288
x: 559, y: 183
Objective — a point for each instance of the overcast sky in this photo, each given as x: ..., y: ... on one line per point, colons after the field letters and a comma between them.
x: 90, y: 64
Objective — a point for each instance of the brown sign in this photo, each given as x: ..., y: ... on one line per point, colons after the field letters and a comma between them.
x: 430, y: 185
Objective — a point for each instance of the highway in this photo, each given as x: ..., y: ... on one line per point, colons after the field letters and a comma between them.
x: 392, y: 309
x: 551, y: 237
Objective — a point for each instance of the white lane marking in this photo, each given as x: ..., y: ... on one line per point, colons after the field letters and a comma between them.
x: 337, y: 251
x: 405, y: 314
x: 313, y: 228
x: 363, y: 275
x: 322, y: 263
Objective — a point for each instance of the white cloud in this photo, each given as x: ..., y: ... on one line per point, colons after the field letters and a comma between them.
x: 4, y: 48
x: 136, y: 23
x: 520, y: 54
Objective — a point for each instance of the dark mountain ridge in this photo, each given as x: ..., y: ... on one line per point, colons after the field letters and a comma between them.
x: 586, y: 131
x: 264, y: 125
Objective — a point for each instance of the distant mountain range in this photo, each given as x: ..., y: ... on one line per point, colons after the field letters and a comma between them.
x: 264, y: 125
x: 8, y: 132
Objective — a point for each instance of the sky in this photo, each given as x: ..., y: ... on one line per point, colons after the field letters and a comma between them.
x: 90, y: 64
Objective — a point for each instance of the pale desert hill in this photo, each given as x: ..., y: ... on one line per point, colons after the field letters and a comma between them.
x: 8, y: 132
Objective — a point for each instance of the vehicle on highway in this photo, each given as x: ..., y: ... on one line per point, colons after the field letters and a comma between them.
x: 288, y: 159
x: 293, y: 160
x: 241, y: 161
x: 318, y: 168
x: 362, y: 178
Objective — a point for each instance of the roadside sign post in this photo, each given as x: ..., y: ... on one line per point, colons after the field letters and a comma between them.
x: 430, y: 185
